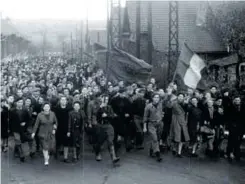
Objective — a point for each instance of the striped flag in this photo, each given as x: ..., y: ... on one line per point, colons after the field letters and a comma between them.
x: 190, y: 69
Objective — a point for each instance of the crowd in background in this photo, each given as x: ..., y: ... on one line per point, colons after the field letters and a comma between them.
x: 53, y: 104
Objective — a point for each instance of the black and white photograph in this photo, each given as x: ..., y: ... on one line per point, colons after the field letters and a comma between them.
x: 122, y: 92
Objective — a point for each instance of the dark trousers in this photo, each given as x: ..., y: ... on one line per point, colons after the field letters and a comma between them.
x: 219, y: 137
x: 123, y: 127
x: 234, y: 141
x: 155, y: 131
x: 103, y: 133
x: 139, y: 137
x: 166, y: 130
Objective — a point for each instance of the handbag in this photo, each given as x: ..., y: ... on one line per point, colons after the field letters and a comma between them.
x: 207, y: 131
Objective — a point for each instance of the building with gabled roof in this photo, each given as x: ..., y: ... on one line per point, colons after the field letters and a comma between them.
x: 199, y: 39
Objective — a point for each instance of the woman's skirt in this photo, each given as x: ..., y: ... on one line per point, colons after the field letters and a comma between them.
x: 48, y: 142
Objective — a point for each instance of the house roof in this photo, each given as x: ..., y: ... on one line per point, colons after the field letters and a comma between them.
x: 225, y: 61
x: 198, y: 39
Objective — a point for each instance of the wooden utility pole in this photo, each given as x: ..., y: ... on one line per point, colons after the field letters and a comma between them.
x: 76, y: 53
x: 98, y: 37
x: 109, y: 41
x: 87, y: 34
x: 138, y: 30
x: 150, y: 32
x: 44, y: 43
x: 63, y: 49
x: 81, y: 51
x: 71, y: 47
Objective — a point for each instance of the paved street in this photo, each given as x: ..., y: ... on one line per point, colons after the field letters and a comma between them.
x: 135, y: 168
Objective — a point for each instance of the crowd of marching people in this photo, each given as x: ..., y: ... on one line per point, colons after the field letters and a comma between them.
x: 53, y: 104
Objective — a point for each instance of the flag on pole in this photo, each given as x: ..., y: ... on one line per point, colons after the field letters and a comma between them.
x: 123, y: 66
x: 190, y: 69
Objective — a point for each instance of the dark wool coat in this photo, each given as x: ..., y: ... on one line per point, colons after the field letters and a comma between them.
x: 194, y: 119
x: 4, y: 122
x: 62, y: 118
x: 75, y: 127
x: 16, y: 117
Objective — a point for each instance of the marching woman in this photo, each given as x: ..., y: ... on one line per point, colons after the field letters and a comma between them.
x: 62, y: 114
x: 179, y: 131
x: 47, y: 123
x: 104, y: 131
x: 75, y: 128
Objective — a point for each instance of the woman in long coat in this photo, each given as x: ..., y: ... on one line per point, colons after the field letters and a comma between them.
x: 179, y: 131
x: 62, y: 114
x: 47, y: 123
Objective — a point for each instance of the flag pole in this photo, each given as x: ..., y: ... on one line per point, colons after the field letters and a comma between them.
x: 177, y: 63
x: 108, y: 44
x: 71, y: 47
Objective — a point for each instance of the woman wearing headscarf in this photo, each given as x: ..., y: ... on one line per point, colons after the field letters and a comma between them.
x: 47, y: 124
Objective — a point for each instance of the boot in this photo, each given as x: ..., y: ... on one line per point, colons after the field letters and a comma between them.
x: 78, y: 153
x: 5, y: 148
x: 32, y: 154
x: 98, y: 157
x: 16, y: 151
x: 151, y: 152
x: 158, y: 155
x: 21, y: 154
x: 56, y: 153
x: 115, y: 159
x: 22, y: 159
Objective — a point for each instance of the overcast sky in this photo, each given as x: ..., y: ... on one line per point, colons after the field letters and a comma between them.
x: 54, y: 9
